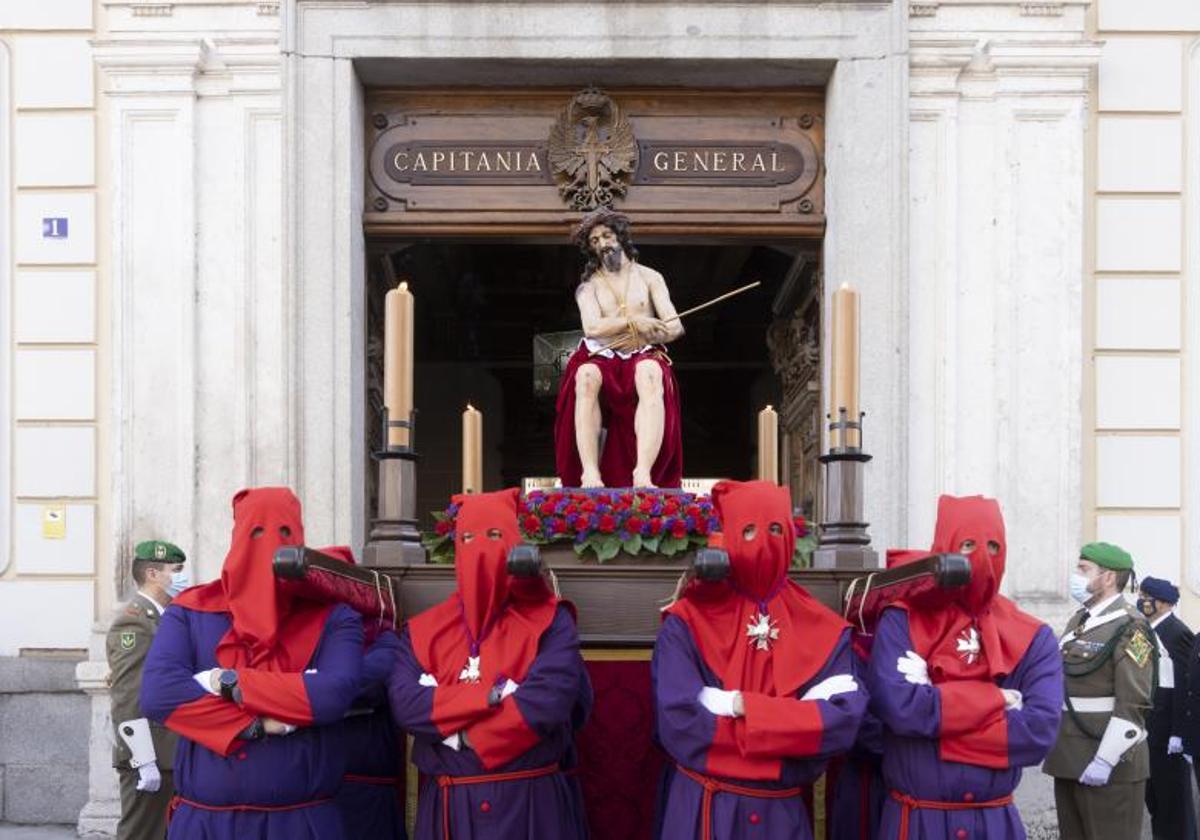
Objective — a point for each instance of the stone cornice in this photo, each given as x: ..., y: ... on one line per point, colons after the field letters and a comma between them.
x: 165, y: 65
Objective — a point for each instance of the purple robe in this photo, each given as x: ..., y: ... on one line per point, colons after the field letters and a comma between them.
x: 858, y: 794
x: 685, y: 729
x: 911, y: 715
x: 370, y: 796
x: 303, y: 769
x: 553, y: 699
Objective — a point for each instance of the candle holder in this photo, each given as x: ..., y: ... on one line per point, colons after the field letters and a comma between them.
x: 844, y: 542
x: 394, y: 539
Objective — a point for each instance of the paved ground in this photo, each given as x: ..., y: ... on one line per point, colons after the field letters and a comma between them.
x: 8, y: 831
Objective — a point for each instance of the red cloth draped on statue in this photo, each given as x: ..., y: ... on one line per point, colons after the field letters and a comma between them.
x: 945, y: 624
x: 618, y: 404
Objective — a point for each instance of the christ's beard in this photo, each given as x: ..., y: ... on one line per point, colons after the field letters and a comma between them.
x: 611, y: 257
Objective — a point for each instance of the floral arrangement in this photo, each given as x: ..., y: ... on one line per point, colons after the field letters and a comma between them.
x: 606, y: 522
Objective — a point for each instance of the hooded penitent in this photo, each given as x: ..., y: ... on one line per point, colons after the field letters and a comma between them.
x: 271, y: 632
x: 488, y: 630
x: 971, y: 637
x: 757, y: 631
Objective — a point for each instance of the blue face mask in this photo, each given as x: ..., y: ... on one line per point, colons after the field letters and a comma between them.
x: 1079, y: 588
x: 180, y: 581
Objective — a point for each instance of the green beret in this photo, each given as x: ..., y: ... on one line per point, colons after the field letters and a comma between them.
x: 1107, y: 555
x: 158, y: 551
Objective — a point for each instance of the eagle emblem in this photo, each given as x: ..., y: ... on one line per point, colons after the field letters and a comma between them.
x: 592, y: 151
x: 968, y: 645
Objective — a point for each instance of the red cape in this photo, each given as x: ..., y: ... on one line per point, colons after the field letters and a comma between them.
x: 939, y: 624
x: 504, y: 618
x: 717, y: 614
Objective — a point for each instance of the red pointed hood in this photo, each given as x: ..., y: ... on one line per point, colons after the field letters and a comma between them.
x: 270, y: 629
x: 490, y: 614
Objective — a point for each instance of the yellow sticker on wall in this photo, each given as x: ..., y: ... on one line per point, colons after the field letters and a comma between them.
x: 54, y: 522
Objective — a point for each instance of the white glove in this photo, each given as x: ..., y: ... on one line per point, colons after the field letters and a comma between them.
x: 1013, y: 699
x: 1097, y: 773
x: 149, y: 779
x: 913, y: 668
x: 454, y: 742
x: 206, y: 681
x: 1187, y: 758
x: 428, y: 680
x: 718, y: 701
x: 509, y: 688
x: 837, y: 684
x: 1174, y: 745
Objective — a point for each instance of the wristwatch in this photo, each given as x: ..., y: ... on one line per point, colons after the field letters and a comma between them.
x: 254, y: 731
x: 228, y: 683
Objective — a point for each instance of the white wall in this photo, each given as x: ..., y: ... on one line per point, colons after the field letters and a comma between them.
x: 48, y: 340
x: 1143, y: 288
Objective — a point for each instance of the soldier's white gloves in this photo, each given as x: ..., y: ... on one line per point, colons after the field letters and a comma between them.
x: 509, y: 688
x: 837, y: 684
x: 149, y: 779
x: 1013, y: 699
x: 1096, y: 774
x: 1187, y: 758
x: 427, y: 680
x: 914, y: 668
x: 718, y: 701
x: 1174, y: 745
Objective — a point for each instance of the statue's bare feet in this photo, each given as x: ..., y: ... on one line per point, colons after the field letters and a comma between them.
x: 590, y: 479
x: 641, y: 478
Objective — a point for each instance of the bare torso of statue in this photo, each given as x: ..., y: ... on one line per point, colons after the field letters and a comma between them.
x: 626, y: 311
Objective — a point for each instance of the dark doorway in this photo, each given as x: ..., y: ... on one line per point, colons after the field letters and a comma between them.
x: 479, y: 305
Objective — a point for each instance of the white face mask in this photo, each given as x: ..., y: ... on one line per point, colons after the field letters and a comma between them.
x: 1079, y: 588
x: 180, y: 581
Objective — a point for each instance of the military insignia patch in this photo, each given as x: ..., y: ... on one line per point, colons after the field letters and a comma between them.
x: 1139, y: 648
x: 160, y: 552
x: 128, y: 640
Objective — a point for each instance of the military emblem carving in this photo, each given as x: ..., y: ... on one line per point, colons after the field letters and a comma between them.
x: 592, y: 151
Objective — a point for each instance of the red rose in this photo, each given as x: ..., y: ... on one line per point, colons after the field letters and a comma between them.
x: 800, y: 525
x: 678, y: 529
x: 531, y: 524
x: 607, y: 524
x: 693, y: 510
x: 646, y: 506
x: 655, y: 527
x: 633, y: 524
x: 444, y: 527
x: 670, y: 507
x: 547, y: 508
x: 571, y: 509
x: 702, y: 527
x: 557, y: 526
x: 581, y: 525
x: 588, y: 506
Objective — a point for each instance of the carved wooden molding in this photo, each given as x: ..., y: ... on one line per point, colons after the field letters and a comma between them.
x: 152, y: 9
x: 922, y: 8
x: 1042, y: 9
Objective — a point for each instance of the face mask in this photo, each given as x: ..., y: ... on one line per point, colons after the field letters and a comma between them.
x: 1147, y: 606
x: 180, y: 581
x: 1079, y: 588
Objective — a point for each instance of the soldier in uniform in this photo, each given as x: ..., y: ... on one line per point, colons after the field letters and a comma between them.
x: 1101, y: 761
x: 143, y: 752
x: 1169, y: 790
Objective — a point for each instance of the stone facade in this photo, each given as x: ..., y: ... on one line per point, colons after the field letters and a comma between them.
x: 1014, y: 218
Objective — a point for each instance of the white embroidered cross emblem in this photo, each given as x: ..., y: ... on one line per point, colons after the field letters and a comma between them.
x: 470, y: 673
x: 968, y: 645
x: 761, y: 631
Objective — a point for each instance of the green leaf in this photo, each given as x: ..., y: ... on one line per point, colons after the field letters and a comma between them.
x: 607, y: 547
x: 650, y: 544
x: 670, y: 546
x: 632, y: 545
x: 580, y: 548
